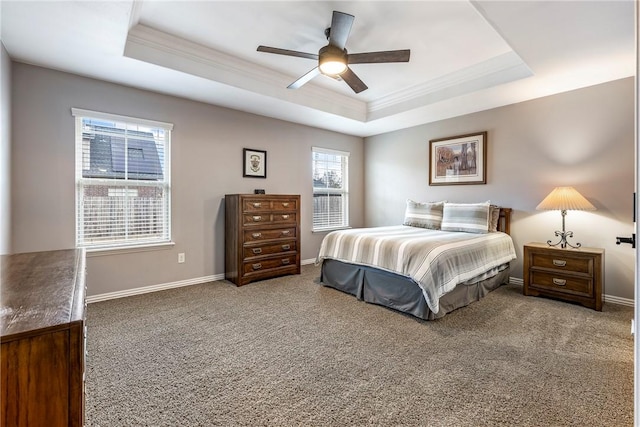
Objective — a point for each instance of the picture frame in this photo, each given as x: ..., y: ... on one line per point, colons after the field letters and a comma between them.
x: 254, y: 163
x: 458, y: 160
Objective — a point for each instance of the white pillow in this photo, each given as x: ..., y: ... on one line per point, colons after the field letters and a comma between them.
x: 467, y: 217
x: 423, y: 214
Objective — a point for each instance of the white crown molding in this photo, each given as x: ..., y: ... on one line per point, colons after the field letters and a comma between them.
x: 164, y: 49
x: 495, y: 71
x: 160, y: 48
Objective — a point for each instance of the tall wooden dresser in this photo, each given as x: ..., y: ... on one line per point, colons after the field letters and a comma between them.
x: 43, y: 339
x: 262, y: 236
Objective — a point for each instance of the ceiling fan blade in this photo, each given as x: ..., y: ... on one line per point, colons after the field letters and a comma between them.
x: 278, y: 51
x: 340, y: 28
x: 377, y: 57
x: 304, y: 79
x: 353, y: 81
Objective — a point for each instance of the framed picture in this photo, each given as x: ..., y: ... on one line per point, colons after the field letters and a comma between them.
x: 458, y: 159
x: 255, y: 163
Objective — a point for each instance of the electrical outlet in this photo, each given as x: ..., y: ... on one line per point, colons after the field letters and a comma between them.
x: 181, y: 257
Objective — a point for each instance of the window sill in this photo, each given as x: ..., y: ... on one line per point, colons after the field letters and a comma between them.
x: 328, y: 230
x: 115, y: 250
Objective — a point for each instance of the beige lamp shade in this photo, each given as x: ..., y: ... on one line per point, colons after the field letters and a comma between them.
x: 565, y: 199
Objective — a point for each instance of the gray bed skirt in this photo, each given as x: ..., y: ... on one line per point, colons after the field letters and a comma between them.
x: 401, y: 293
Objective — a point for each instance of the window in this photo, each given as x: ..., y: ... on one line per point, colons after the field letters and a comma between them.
x: 122, y: 199
x: 330, y: 189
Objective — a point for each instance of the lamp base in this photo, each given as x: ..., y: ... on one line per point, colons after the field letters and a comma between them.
x: 563, y: 240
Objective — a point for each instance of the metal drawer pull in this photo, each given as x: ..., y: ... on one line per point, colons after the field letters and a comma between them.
x: 559, y: 282
x: 257, y: 266
x: 285, y: 204
x: 257, y: 218
x: 285, y: 232
x: 559, y: 262
x: 257, y: 205
x: 285, y: 216
x: 285, y: 261
x: 286, y: 247
x: 257, y: 251
x: 256, y: 235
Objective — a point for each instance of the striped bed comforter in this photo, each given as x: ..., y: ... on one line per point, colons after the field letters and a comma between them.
x: 436, y: 260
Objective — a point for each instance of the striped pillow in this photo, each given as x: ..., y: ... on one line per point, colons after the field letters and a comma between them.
x: 425, y: 215
x: 468, y: 217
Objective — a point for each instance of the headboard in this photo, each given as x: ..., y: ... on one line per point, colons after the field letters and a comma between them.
x: 504, y: 220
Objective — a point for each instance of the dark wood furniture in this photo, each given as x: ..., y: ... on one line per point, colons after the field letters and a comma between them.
x: 574, y: 275
x: 262, y: 236
x: 43, y: 339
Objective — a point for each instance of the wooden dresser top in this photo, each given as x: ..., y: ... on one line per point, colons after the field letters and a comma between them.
x: 41, y: 290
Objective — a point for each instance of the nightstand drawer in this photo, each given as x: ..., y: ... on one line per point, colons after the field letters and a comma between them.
x: 562, y: 262
x: 561, y: 283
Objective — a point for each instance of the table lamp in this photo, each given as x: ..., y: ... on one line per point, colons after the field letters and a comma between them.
x: 565, y: 199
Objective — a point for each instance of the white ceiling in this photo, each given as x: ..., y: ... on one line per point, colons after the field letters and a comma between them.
x: 465, y: 56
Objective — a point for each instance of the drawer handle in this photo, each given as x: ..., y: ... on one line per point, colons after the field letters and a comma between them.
x: 285, y: 261
x: 286, y: 232
x: 256, y: 235
x: 257, y: 205
x: 257, y: 218
x: 285, y: 216
x: 286, y: 247
x: 257, y: 266
x: 559, y: 262
x: 257, y: 250
x: 285, y: 204
x: 559, y: 282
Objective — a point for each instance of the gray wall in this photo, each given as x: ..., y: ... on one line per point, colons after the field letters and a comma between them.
x: 207, y: 143
x: 583, y: 138
x: 5, y: 152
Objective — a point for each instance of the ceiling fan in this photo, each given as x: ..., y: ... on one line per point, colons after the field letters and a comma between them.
x: 333, y: 59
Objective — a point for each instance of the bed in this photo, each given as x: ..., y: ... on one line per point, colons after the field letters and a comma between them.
x: 431, y: 265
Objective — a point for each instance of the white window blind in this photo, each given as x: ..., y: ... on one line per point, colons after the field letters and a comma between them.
x: 123, y: 180
x: 330, y: 189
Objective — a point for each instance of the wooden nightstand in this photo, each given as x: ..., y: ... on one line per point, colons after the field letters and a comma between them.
x: 574, y: 275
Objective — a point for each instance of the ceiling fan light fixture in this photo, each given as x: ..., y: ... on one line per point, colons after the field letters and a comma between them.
x: 333, y: 68
x: 332, y: 61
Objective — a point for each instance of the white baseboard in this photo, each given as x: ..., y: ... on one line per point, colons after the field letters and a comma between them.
x: 515, y: 281
x: 165, y: 286
x: 153, y: 288
x: 198, y: 280
x: 605, y: 298
x: 617, y: 300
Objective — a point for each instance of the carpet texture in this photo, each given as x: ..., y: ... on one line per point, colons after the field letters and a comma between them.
x: 289, y: 351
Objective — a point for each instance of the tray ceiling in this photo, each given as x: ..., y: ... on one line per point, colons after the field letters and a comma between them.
x: 465, y: 56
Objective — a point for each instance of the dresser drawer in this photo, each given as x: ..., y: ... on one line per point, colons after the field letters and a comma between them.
x: 561, y: 283
x: 562, y: 262
x: 256, y: 205
x: 268, y: 264
x: 270, y: 249
x: 290, y: 205
x: 275, y: 233
x: 270, y: 218
x: 265, y: 204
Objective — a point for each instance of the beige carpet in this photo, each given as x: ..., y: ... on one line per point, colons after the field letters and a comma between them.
x: 289, y: 351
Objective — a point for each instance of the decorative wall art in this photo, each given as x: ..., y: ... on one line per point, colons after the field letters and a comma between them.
x: 255, y: 163
x: 458, y: 159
